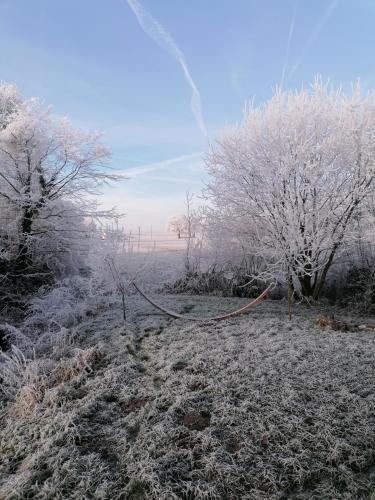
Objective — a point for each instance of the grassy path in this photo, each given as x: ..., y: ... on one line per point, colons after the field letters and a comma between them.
x: 252, y: 408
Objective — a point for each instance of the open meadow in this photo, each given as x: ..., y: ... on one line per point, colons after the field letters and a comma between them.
x: 255, y: 407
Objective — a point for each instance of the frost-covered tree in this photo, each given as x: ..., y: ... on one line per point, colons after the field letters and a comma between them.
x: 9, y: 104
x: 48, y: 170
x: 293, y: 175
x: 190, y: 226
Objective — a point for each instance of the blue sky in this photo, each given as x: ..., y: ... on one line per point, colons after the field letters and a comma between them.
x: 92, y: 61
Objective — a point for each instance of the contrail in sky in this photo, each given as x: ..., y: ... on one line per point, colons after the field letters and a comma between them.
x: 290, y: 35
x: 161, y: 165
x: 314, y: 35
x: 156, y: 31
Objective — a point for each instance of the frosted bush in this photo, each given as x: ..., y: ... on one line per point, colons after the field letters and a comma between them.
x: 14, y: 336
x: 68, y: 302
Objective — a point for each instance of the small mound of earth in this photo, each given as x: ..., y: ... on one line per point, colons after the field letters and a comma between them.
x: 197, y: 420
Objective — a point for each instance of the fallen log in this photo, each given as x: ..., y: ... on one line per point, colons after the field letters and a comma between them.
x: 176, y: 315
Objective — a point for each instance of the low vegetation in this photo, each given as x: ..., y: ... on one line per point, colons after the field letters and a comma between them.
x: 254, y: 407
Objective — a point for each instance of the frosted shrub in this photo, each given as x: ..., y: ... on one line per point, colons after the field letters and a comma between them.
x: 64, y: 305
x: 10, y: 335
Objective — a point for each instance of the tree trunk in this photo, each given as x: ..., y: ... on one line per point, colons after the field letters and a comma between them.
x: 23, y: 258
x: 306, y: 287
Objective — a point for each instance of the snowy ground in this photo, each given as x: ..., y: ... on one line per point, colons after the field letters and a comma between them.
x: 255, y: 407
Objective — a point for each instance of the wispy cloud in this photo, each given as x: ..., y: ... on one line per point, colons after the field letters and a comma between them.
x: 145, y: 210
x: 173, y: 179
x: 290, y: 36
x: 315, y: 33
x: 156, y: 31
x: 180, y: 162
x: 144, y: 205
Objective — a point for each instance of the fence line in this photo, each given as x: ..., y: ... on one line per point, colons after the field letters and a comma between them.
x: 155, y: 240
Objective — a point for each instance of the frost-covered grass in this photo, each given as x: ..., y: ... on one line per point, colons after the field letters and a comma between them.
x: 255, y: 407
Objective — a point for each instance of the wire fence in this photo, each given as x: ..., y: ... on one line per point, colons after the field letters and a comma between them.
x: 143, y: 241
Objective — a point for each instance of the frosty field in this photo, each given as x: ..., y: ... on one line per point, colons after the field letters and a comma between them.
x: 187, y: 250
x: 255, y: 407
